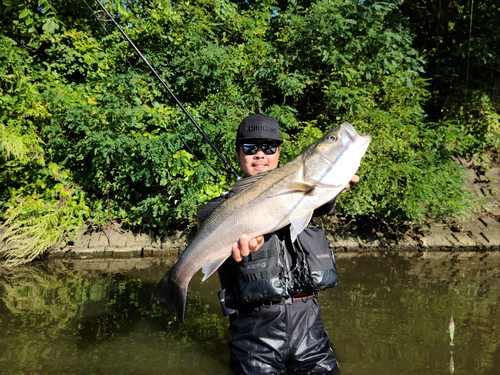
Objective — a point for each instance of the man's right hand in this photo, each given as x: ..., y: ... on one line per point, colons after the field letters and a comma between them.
x: 245, y: 246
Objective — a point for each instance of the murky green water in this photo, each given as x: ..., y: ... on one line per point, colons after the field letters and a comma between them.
x: 388, y: 316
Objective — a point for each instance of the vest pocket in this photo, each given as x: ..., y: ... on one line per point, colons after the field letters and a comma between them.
x: 259, y: 274
x: 320, y: 267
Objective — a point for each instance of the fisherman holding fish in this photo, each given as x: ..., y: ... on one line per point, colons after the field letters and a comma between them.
x: 279, y: 262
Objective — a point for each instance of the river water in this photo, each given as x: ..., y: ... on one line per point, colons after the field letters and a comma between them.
x: 389, y: 315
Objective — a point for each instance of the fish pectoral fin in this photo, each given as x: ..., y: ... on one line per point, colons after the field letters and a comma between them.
x: 299, y: 223
x: 212, y: 266
x: 299, y: 186
x: 294, y: 187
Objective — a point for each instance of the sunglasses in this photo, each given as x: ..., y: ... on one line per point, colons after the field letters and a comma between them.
x: 268, y: 147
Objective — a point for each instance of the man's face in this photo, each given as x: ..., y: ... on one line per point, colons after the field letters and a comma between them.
x: 258, y: 162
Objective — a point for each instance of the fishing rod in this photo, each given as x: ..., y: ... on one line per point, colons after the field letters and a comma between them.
x: 233, y: 171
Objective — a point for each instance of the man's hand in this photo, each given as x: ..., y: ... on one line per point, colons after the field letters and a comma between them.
x: 354, y: 180
x: 245, y: 246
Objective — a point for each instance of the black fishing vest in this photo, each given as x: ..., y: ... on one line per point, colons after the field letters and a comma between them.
x: 279, y: 270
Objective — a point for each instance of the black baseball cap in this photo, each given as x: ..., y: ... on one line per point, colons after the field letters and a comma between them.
x: 258, y: 127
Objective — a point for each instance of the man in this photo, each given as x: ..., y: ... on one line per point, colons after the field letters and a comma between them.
x: 275, y: 320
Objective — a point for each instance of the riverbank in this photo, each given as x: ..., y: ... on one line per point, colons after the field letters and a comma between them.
x: 480, y: 232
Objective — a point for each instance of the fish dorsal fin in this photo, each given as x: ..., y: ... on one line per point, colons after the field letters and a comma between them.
x: 242, y: 184
x: 212, y: 266
x: 206, y: 209
x: 299, y: 223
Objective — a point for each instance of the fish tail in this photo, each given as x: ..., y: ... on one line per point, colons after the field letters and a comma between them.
x: 170, y: 290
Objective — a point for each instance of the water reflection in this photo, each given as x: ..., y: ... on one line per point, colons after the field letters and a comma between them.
x: 389, y: 315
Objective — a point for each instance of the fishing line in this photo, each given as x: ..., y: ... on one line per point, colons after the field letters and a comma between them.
x: 466, y: 112
x: 207, y: 139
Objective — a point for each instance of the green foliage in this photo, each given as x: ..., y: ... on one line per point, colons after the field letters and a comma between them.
x: 460, y: 41
x: 481, y: 127
x: 404, y: 181
x: 44, y: 208
x: 76, y: 101
x: 29, y: 19
x: 40, y: 203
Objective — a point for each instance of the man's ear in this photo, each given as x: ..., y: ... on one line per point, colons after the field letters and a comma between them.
x: 237, y: 154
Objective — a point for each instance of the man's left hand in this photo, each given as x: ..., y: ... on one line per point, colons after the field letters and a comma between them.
x: 354, y: 180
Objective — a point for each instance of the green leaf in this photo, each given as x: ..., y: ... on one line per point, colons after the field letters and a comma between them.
x: 24, y: 13
x: 50, y: 26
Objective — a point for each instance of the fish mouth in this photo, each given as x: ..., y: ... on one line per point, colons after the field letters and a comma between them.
x: 354, y: 135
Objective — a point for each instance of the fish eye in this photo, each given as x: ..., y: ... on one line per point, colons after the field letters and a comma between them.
x: 332, y: 138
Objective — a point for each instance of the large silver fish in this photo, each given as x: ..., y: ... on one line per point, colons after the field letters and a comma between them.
x: 266, y: 203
